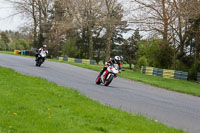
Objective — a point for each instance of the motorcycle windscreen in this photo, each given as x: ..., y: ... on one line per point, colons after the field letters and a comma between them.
x: 116, y: 68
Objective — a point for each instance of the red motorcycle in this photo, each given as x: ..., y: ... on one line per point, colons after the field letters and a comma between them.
x: 109, y: 74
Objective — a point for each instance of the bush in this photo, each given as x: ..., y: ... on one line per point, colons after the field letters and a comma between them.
x: 142, y: 61
x: 193, y: 72
x: 70, y: 49
x: 20, y: 44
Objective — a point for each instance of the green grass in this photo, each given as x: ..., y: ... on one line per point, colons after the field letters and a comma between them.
x: 34, y: 105
x: 7, y: 52
x: 187, y: 87
x: 182, y: 86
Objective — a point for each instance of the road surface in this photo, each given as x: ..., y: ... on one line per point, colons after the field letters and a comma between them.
x: 171, y: 108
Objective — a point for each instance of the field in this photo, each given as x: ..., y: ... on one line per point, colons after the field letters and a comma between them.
x: 34, y: 105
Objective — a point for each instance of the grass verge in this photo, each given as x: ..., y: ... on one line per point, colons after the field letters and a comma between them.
x: 34, y: 105
x: 7, y: 52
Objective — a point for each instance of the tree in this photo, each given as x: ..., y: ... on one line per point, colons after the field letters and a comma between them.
x: 113, y: 12
x: 29, y: 9
x: 158, y: 16
x: 129, y: 48
x: 35, y: 11
x: 70, y: 49
x: 5, y: 39
x: 20, y: 44
x: 89, y: 17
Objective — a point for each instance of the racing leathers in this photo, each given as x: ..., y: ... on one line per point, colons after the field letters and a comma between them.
x: 40, y: 50
x: 110, y: 62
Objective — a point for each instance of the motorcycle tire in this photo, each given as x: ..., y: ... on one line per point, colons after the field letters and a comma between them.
x: 40, y: 62
x: 98, y: 80
x: 108, y: 81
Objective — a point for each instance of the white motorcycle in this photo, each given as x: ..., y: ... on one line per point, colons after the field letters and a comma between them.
x: 41, y: 58
x: 109, y: 74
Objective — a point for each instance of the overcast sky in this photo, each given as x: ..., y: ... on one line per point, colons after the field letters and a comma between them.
x: 6, y: 22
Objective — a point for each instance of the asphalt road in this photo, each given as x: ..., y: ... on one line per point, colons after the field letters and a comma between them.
x: 171, y: 108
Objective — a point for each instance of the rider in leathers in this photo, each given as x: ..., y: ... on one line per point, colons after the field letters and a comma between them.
x: 111, y: 61
x: 43, y: 48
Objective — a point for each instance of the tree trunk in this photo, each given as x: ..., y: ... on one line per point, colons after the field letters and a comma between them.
x: 98, y: 56
x: 108, y: 43
x: 40, y: 27
x: 165, y: 21
x: 197, y: 49
x: 91, y: 45
x: 130, y: 65
x: 35, y: 24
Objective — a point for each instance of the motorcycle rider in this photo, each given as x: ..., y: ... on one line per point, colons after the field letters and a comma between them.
x: 111, y: 61
x: 43, y: 48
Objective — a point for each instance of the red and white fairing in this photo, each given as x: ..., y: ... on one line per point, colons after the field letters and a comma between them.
x: 110, y: 73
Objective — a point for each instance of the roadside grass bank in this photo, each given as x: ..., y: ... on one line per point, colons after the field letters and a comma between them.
x: 34, y: 105
x: 187, y: 87
x: 7, y: 52
x: 12, y: 53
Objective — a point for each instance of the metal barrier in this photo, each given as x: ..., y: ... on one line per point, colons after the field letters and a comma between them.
x: 181, y: 75
x: 149, y: 71
x: 143, y: 69
x: 32, y: 53
x: 24, y: 52
x: 168, y: 74
x: 157, y: 72
x: 165, y: 73
x: 85, y: 61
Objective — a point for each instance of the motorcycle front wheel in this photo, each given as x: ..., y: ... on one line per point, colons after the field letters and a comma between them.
x: 40, y: 61
x: 109, y: 80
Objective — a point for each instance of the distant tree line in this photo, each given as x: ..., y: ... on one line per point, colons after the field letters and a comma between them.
x: 10, y: 41
x: 94, y: 29
x: 77, y: 28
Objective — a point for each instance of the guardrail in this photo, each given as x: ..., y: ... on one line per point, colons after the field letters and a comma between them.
x: 24, y: 52
x: 165, y: 73
x: 31, y: 53
x: 84, y: 61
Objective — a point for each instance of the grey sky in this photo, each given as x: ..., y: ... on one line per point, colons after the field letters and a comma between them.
x: 10, y: 23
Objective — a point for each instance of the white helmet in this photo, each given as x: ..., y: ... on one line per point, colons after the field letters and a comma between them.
x: 118, y: 58
x: 44, y: 46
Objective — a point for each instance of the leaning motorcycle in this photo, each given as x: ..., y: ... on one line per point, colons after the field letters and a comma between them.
x: 41, y: 57
x: 107, y: 77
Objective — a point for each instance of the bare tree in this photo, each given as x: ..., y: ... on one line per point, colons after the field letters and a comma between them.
x: 113, y: 17
x: 28, y: 7
x: 36, y: 11
x: 157, y: 16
